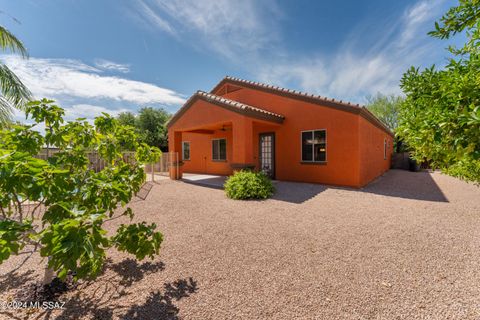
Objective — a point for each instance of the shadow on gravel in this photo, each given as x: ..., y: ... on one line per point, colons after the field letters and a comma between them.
x: 108, y: 296
x: 15, y: 280
x: 407, y: 185
x: 295, y: 192
x: 131, y: 271
x: 160, y: 305
x: 394, y: 183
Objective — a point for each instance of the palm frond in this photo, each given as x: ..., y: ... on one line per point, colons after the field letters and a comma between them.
x: 12, y: 88
x: 9, y: 42
x: 5, y: 112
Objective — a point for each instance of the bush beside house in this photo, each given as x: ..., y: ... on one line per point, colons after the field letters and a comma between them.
x: 245, y: 185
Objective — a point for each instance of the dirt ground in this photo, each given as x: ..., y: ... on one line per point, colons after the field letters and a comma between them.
x: 405, y: 247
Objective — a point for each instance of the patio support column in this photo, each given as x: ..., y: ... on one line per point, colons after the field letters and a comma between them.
x: 242, y: 134
x: 175, y: 155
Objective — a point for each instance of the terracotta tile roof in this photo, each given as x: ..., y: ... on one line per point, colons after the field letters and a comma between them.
x: 295, y: 94
x: 228, y: 104
x: 237, y: 104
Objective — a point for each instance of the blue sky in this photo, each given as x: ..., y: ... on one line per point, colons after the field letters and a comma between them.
x: 93, y: 56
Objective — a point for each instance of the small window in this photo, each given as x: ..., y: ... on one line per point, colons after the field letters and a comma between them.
x: 219, y: 149
x: 384, y: 149
x: 314, y: 146
x: 186, y: 150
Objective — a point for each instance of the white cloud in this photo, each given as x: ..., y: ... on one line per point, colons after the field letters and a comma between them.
x: 352, y: 73
x: 154, y: 18
x: 415, y: 18
x: 232, y: 28
x: 112, y: 66
x: 89, y: 111
x: 373, y: 58
x: 54, y: 78
x: 347, y: 77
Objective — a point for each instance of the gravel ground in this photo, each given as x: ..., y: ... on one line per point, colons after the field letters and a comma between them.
x: 405, y: 247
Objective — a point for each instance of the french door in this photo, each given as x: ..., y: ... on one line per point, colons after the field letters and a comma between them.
x: 267, y: 154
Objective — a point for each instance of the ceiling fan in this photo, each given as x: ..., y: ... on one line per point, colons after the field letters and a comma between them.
x: 225, y: 128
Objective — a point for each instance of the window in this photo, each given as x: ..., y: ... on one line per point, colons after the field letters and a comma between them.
x: 384, y: 149
x: 314, y: 146
x: 186, y: 150
x: 219, y: 149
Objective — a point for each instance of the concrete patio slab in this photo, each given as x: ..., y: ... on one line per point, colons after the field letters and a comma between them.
x: 205, y: 180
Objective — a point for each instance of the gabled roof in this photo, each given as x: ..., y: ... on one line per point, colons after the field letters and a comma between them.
x: 303, y: 96
x: 228, y: 104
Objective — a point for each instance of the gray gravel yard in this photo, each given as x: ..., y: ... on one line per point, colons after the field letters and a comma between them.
x: 405, y: 247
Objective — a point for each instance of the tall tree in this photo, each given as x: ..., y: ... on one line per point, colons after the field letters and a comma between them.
x: 440, y: 118
x: 149, y: 124
x: 386, y: 108
x: 126, y: 119
x: 14, y: 94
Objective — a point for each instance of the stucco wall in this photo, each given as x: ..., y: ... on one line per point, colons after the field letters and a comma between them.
x: 201, y: 153
x: 371, y: 142
x: 341, y: 168
x: 201, y: 116
x: 354, y: 145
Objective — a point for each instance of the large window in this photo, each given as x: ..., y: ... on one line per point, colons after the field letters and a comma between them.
x: 186, y: 150
x: 314, y: 146
x: 219, y: 149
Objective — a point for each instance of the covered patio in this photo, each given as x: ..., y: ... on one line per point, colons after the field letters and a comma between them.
x: 236, y: 127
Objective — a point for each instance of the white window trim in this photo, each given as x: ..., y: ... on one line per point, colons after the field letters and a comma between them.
x: 313, y: 154
x: 219, y: 149
x: 183, y: 150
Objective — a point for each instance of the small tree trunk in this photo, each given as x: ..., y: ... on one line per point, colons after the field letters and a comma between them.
x: 49, y: 274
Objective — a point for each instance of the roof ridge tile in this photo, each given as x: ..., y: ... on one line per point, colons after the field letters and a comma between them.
x: 354, y: 107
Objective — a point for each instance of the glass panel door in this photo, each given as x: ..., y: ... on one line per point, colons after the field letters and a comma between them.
x: 267, y: 154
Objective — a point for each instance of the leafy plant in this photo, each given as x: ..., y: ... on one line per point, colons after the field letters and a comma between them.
x: 71, y: 201
x: 13, y: 92
x: 386, y: 108
x: 440, y: 118
x: 246, y: 184
x: 149, y: 124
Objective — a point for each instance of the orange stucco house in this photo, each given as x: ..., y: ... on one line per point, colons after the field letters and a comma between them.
x: 289, y: 135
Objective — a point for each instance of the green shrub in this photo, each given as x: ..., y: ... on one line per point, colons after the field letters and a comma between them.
x: 74, y: 200
x: 248, y: 185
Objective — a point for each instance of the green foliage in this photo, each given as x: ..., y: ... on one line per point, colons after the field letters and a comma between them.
x: 138, y: 239
x: 76, y: 199
x: 11, y: 233
x: 9, y: 42
x: 464, y: 17
x: 440, y: 118
x: 14, y: 92
x: 247, y: 184
x: 385, y: 108
x: 149, y: 124
x: 126, y: 119
x: 76, y: 243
